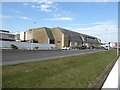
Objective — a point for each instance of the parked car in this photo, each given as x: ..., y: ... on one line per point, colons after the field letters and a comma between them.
x: 105, y: 47
x: 65, y: 48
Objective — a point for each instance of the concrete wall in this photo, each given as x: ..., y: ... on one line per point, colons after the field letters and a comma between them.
x: 66, y: 40
x: 38, y: 34
x: 59, y: 38
x: 25, y: 45
x: 29, y: 35
x: 62, y: 37
x: 22, y: 36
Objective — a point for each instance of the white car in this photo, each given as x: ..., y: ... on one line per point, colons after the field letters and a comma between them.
x: 65, y: 48
x: 105, y: 47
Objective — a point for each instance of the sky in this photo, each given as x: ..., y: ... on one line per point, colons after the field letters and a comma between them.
x: 99, y: 19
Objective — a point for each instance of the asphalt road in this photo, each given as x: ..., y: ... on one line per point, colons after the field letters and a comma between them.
x: 21, y: 56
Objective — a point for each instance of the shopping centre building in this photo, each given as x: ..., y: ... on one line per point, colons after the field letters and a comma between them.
x: 61, y: 37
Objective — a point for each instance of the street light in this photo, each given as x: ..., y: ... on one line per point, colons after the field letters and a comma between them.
x: 118, y: 41
x: 32, y: 31
x: 108, y: 39
x: 32, y: 35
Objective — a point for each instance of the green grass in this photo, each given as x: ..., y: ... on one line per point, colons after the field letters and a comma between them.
x: 68, y: 72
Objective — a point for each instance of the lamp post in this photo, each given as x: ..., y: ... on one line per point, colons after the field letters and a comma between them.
x: 32, y: 35
x: 118, y: 42
x: 32, y: 32
x: 108, y: 39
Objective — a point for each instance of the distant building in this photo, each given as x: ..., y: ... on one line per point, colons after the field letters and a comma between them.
x: 114, y: 44
x: 17, y: 38
x: 60, y: 37
x: 7, y: 36
x: 64, y: 37
x: 22, y: 36
x: 90, y: 41
x: 40, y: 35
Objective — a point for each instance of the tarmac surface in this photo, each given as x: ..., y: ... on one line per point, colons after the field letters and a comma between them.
x: 21, y: 56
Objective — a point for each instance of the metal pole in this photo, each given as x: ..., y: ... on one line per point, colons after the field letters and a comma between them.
x: 32, y: 39
x: 108, y: 38
x: 118, y: 43
x: 108, y: 41
x: 117, y: 49
x: 33, y: 34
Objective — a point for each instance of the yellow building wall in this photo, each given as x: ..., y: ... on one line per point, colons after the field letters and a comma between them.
x: 66, y: 40
x: 59, y: 38
x: 40, y: 35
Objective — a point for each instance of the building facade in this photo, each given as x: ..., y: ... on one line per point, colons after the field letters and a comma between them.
x: 40, y: 35
x: 22, y: 36
x: 90, y: 42
x: 61, y: 37
x: 64, y: 37
x: 7, y: 36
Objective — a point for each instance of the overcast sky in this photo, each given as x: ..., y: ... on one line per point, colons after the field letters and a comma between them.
x: 98, y: 19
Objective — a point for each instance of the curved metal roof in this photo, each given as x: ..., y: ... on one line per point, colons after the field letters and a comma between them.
x: 90, y: 39
x: 73, y: 36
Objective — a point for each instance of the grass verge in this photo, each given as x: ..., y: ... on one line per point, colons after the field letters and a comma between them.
x: 68, y: 72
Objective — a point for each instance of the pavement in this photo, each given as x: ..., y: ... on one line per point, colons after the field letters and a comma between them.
x: 113, y: 80
x: 22, y: 56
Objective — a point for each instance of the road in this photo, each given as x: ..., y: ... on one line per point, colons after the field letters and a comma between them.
x: 21, y: 56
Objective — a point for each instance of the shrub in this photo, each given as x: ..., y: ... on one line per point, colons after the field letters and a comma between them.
x: 52, y: 47
x: 13, y: 46
x: 36, y: 47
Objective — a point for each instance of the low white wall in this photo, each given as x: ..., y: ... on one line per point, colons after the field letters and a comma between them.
x: 25, y: 45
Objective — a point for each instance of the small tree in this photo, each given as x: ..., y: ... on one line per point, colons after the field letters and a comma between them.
x: 52, y: 47
x: 13, y: 46
x: 36, y: 47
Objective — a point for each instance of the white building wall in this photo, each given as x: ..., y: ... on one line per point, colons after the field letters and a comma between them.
x: 22, y: 36
x: 29, y: 35
x: 62, y: 39
x: 25, y: 45
x: 9, y: 36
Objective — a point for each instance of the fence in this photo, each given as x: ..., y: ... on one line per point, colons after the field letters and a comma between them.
x: 25, y: 45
